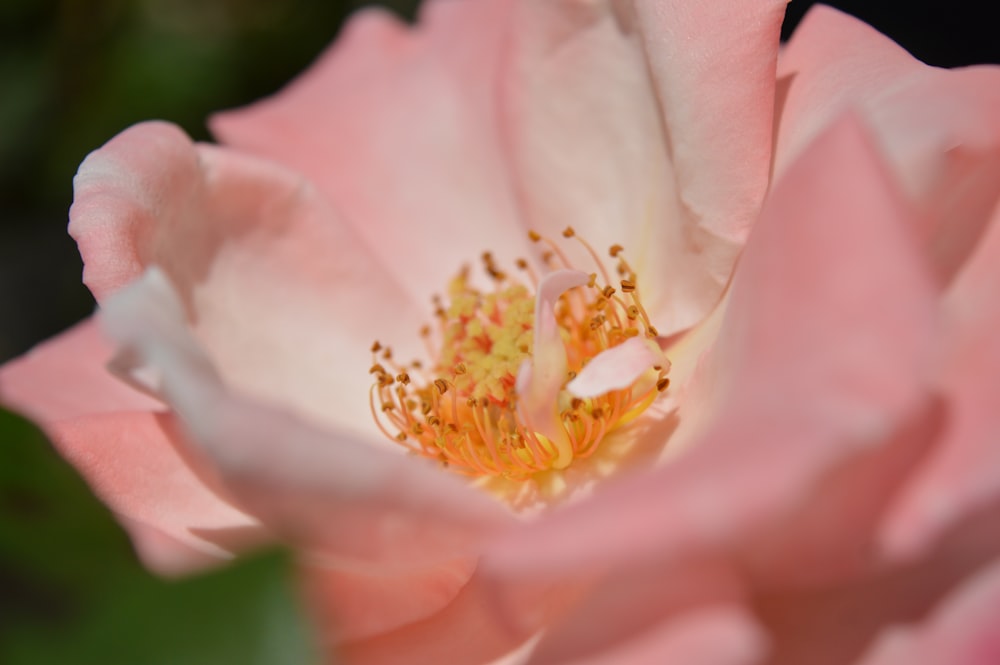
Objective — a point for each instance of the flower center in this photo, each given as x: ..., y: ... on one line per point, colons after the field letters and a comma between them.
x: 528, y: 376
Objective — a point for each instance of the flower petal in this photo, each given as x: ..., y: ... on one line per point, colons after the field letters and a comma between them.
x: 322, y: 490
x: 484, y: 624
x: 721, y: 635
x: 964, y: 629
x: 635, y: 608
x: 963, y: 474
x: 123, y: 444
x: 285, y: 298
x: 397, y: 127
x: 850, y: 346
x: 649, y: 126
x: 357, y: 603
x: 540, y: 379
x: 616, y: 368
x: 176, y: 522
x: 939, y: 129
x: 66, y: 377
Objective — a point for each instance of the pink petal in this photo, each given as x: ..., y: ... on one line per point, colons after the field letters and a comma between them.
x: 484, y: 622
x: 836, y: 623
x: 939, y: 130
x: 963, y: 474
x: 361, y: 602
x: 711, y: 636
x: 540, y: 379
x: 616, y: 368
x: 323, y: 490
x: 124, y: 448
x: 176, y: 523
x: 648, y: 126
x: 66, y: 378
x: 821, y: 365
x: 633, y: 608
x: 286, y: 299
x: 397, y: 127
x: 714, y: 70
x: 964, y: 629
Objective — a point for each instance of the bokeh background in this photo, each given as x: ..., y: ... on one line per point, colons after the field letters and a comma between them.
x: 72, y: 74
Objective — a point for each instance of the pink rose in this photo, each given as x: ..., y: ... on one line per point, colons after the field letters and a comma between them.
x: 819, y: 481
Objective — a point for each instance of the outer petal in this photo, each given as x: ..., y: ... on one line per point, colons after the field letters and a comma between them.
x: 357, y: 603
x: 634, y: 608
x: 398, y: 128
x: 327, y: 492
x: 939, y: 129
x: 965, y: 629
x: 286, y: 299
x: 846, y: 348
x: 964, y: 473
x: 649, y: 124
x: 710, y: 636
x: 486, y: 623
x: 124, y: 447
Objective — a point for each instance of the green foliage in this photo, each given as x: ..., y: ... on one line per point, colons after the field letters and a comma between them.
x: 72, y: 591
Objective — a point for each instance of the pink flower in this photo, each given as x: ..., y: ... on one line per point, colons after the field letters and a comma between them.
x: 817, y: 485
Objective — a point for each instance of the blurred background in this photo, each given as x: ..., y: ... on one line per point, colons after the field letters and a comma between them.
x: 72, y: 74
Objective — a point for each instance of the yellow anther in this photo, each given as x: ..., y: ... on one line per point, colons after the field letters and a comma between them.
x: 463, y: 409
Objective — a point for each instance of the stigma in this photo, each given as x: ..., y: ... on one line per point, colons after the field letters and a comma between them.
x: 529, y: 375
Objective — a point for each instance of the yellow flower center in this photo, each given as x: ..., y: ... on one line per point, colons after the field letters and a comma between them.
x: 463, y: 409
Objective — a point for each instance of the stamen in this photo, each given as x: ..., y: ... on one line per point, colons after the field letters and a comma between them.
x: 463, y: 409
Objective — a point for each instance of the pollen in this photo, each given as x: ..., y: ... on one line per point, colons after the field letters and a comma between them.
x: 463, y: 408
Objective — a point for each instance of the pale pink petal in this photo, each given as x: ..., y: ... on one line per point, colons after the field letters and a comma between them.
x: 124, y: 446
x: 286, y: 299
x: 847, y: 347
x: 646, y: 124
x: 616, y: 368
x: 361, y: 602
x: 836, y: 623
x: 964, y: 629
x: 963, y: 474
x: 129, y: 460
x: 709, y: 636
x: 540, y: 379
x: 398, y: 127
x: 939, y: 129
x: 485, y: 622
x: 65, y: 377
x: 631, y: 604
x: 714, y: 68
x: 324, y: 490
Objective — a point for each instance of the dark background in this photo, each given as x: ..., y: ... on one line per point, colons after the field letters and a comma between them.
x: 75, y: 72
